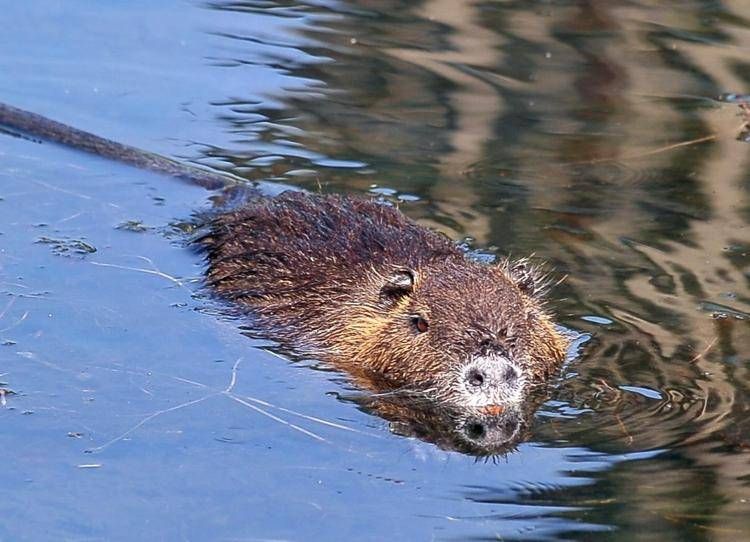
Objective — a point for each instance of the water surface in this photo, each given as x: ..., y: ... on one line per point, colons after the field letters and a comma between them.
x: 589, y: 134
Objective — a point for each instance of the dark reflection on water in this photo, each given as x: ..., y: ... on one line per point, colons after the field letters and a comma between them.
x: 473, y: 432
x: 591, y: 134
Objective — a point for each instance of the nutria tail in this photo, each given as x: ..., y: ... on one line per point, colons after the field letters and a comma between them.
x: 57, y: 132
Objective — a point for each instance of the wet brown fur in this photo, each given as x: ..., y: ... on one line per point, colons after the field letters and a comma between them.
x: 315, y: 269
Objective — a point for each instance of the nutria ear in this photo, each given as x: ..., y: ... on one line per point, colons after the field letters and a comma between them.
x: 524, y: 275
x: 398, y: 284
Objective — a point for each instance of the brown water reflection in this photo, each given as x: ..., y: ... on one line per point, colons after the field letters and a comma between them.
x: 591, y: 134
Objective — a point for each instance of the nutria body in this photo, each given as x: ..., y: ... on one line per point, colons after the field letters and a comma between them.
x: 354, y: 282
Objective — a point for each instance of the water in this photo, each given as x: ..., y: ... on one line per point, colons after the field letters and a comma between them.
x: 590, y: 134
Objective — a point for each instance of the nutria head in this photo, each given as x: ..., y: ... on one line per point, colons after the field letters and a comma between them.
x: 354, y: 282
x: 472, y: 334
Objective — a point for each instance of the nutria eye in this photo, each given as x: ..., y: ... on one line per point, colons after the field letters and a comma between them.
x: 420, y: 324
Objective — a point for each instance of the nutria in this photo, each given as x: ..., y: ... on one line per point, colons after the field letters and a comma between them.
x: 354, y: 282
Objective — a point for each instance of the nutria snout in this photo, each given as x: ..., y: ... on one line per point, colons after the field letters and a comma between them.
x: 355, y: 283
x: 492, y: 380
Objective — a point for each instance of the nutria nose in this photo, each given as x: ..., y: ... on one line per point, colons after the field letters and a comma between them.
x: 509, y: 373
x: 475, y: 378
x: 486, y: 373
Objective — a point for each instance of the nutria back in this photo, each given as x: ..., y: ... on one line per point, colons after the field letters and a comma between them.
x: 354, y: 282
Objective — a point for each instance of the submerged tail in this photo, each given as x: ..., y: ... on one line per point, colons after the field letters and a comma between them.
x: 50, y: 130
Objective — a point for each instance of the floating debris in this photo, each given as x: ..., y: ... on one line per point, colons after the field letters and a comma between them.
x: 743, y: 102
x: 5, y: 392
x: 723, y: 311
x: 67, y: 247
x: 135, y: 226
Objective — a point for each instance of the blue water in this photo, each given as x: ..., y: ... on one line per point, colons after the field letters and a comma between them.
x: 136, y: 408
